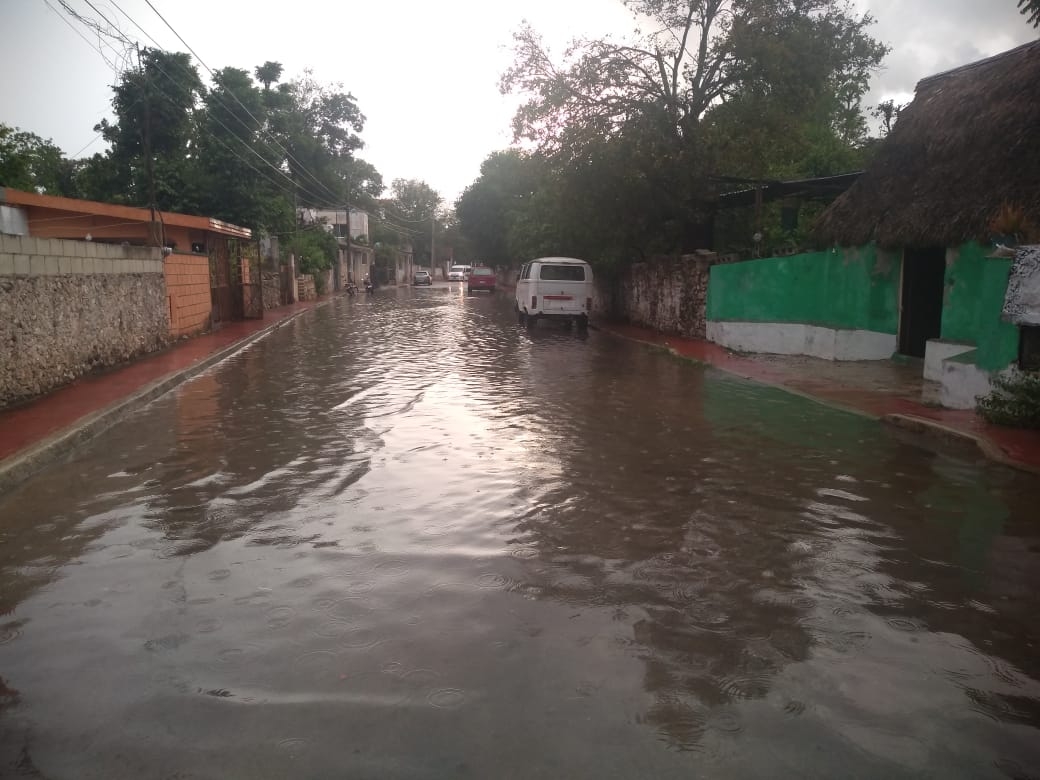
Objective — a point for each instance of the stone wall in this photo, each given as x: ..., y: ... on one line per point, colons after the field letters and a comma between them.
x: 668, y: 294
x: 272, y: 289
x: 67, y: 307
x: 305, y: 288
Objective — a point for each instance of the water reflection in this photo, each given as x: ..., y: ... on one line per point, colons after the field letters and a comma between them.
x: 412, y: 539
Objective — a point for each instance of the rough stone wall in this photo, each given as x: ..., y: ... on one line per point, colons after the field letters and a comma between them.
x: 67, y: 307
x: 272, y: 289
x: 305, y: 288
x: 668, y: 294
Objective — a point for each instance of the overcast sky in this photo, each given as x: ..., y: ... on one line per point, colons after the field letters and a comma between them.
x: 424, y: 73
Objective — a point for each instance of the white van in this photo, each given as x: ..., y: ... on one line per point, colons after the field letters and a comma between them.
x: 459, y: 273
x: 556, y: 288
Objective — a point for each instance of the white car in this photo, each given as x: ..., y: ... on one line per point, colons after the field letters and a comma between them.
x: 554, y: 288
x: 459, y: 273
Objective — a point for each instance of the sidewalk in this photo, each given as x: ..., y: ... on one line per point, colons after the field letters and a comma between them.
x: 44, y: 429
x: 878, y: 391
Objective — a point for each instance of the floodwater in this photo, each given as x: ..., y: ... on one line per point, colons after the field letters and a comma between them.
x: 402, y: 537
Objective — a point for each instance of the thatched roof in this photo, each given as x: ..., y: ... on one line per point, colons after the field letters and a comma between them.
x: 969, y: 142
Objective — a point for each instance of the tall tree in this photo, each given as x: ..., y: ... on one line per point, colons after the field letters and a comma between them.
x: 268, y: 73
x: 414, y: 205
x: 154, y: 106
x: 318, y: 126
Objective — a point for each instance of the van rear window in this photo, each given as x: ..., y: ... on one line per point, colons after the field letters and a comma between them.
x: 562, y: 273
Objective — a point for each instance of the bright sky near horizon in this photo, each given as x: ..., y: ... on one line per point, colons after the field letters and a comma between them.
x: 425, y: 74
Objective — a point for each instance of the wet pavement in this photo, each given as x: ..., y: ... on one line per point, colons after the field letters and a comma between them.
x: 401, y: 537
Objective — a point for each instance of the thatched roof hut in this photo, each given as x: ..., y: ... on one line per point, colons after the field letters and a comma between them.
x: 968, y: 143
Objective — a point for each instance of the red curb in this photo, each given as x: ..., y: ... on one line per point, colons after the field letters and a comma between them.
x: 28, y: 425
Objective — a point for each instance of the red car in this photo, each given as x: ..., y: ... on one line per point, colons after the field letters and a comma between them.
x: 480, y: 278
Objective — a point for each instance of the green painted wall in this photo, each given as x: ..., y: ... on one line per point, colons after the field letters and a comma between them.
x: 974, y: 297
x: 840, y: 288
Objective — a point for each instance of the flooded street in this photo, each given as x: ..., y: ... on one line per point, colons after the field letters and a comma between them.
x: 402, y: 537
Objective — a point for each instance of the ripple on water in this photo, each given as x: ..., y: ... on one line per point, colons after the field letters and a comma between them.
x: 447, y: 698
x: 904, y: 624
x: 280, y: 617
x: 293, y: 745
x: 10, y: 632
x: 794, y: 708
x: 208, y: 625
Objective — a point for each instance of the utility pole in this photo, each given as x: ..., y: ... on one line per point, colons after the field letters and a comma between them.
x: 433, y: 239
x: 155, y: 239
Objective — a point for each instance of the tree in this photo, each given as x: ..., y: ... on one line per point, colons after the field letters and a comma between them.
x: 887, y: 112
x: 235, y: 170
x: 268, y: 74
x: 413, y: 206
x: 318, y: 127
x: 700, y: 53
x: 28, y: 162
x: 150, y: 139
x: 1030, y: 9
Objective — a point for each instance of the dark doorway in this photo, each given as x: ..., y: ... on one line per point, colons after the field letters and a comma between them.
x: 924, y: 278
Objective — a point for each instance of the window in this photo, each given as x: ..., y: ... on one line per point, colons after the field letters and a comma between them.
x: 525, y: 272
x: 562, y: 273
x: 480, y: 272
x: 1029, y: 348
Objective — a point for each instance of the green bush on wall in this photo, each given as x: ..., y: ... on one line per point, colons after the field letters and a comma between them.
x: 1015, y: 401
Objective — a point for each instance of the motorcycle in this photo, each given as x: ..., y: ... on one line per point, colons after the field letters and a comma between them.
x: 369, y: 287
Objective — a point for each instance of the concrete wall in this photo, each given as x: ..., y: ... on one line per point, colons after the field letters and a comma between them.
x: 67, y: 307
x: 846, y: 289
x: 188, y: 293
x: 973, y: 302
x: 841, y: 304
x: 787, y: 338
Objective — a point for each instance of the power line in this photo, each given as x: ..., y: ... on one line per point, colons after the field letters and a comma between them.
x: 212, y: 135
x: 284, y: 151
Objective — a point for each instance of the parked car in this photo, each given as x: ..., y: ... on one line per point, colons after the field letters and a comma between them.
x: 558, y: 288
x: 422, y: 277
x: 481, y: 278
x: 459, y: 273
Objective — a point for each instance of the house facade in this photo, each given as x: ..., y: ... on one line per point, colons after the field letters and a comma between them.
x: 915, y: 263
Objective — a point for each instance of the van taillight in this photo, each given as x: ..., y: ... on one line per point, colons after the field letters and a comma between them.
x: 588, y: 304
x: 534, y: 301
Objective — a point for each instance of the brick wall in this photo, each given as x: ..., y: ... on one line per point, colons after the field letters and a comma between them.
x: 188, y: 293
x: 67, y: 307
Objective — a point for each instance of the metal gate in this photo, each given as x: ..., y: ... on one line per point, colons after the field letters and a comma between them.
x: 236, y: 284
x: 250, y: 277
x: 223, y: 283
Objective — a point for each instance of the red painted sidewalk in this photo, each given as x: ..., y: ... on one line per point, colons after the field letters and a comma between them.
x: 1020, y: 448
x: 22, y: 427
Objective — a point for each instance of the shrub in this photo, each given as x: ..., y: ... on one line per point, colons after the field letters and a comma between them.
x: 1015, y: 401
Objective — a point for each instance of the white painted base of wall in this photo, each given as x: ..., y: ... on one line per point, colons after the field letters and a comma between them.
x: 962, y: 384
x: 936, y: 352
x: 791, y: 338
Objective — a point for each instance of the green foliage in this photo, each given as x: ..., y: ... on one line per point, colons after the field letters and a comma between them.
x: 629, y: 134
x: 315, y: 249
x: 412, y: 206
x: 28, y: 162
x: 1031, y: 10
x: 1015, y: 401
